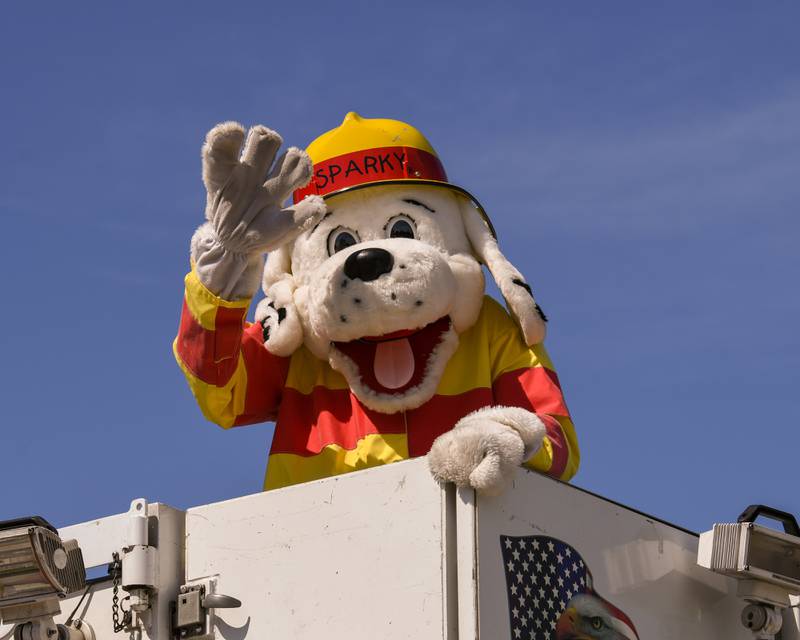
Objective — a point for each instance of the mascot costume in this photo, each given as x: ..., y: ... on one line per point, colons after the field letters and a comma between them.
x: 375, y: 342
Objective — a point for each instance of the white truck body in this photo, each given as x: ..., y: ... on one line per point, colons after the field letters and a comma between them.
x: 389, y: 553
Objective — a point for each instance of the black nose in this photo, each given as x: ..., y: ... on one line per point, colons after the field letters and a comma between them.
x: 368, y: 264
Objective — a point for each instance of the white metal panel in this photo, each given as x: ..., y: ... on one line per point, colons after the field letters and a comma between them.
x: 644, y: 567
x: 98, y: 539
x: 449, y: 564
x: 467, y: 565
x: 169, y: 537
x: 355, y: 556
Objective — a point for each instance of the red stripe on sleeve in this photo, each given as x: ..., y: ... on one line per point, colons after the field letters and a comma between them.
x: 229, y: 325
x: 560, y: 448
x: 210, y: 355
x: 266, y: 375
x: 536, y: 389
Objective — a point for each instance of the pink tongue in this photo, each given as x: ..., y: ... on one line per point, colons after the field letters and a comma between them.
x: 394, y: 363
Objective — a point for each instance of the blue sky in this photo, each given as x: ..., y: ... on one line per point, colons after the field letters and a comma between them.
x: 640, y: 165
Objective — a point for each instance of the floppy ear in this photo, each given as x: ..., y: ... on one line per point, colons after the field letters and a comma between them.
x: 517, y: 293
x: 277, y: 314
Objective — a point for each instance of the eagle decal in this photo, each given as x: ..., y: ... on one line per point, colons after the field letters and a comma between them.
x: 551, y: 594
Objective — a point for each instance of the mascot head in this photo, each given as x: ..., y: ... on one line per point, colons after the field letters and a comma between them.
x: 383, y: 285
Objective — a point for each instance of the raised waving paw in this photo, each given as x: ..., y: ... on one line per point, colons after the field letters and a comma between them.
x: 484, y: 448
x: 246, y: 188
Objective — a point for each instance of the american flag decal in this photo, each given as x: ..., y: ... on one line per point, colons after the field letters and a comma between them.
x: 550, y: 594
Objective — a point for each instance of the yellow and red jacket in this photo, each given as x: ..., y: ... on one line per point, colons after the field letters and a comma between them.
x: 322, y: 429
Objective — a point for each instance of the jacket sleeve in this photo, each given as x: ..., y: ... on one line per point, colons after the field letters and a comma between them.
x: 524, y: 377
x: 233, y: 377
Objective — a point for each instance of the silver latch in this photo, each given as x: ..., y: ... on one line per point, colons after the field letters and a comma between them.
x: 191, y: 617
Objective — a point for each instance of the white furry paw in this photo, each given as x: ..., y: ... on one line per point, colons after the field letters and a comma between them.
x: 485, y: 447
x: 280, y: 325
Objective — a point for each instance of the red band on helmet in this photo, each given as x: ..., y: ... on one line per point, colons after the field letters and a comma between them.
x: 372, y: 165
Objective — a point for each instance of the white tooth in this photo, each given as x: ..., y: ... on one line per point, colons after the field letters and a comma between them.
x: 394, y: 363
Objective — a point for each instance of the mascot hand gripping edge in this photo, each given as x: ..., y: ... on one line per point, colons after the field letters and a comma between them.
x: 375, y: 341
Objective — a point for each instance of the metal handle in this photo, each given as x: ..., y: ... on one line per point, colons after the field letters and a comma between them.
x: 788, y: 521
x: 219, y: 601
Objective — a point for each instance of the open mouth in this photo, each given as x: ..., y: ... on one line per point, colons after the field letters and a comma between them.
x: 395, y: 362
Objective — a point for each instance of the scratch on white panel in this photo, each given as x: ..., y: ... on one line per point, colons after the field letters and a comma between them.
x: 535, y: 526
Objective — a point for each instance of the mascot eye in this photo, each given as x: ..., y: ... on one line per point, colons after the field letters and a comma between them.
x: 401, y: 227
x: 597, y: 623
x: 340, y: 238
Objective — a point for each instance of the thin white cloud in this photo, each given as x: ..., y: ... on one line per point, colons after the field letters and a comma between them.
x: 724, y: 163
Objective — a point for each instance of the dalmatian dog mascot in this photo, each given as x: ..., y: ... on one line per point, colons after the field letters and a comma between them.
x: 375, y: 342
